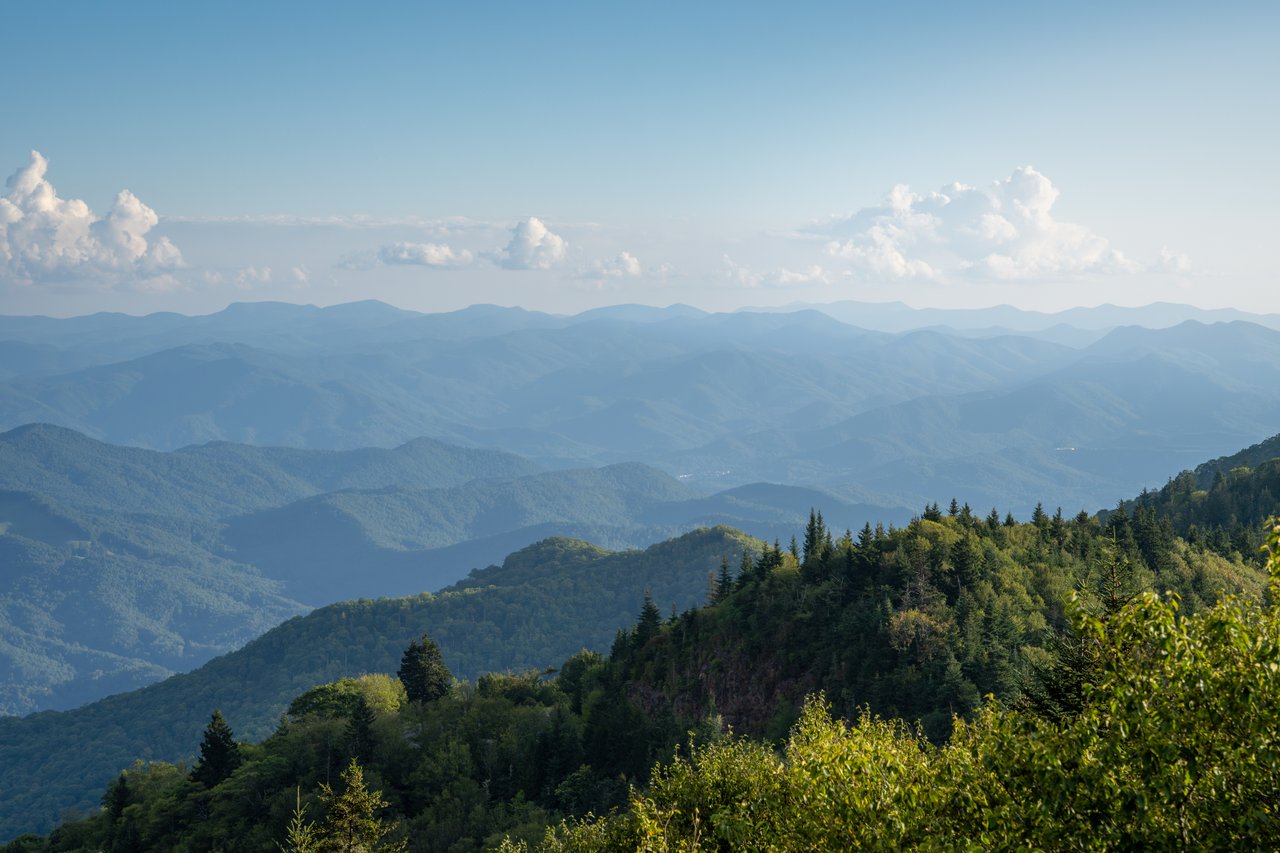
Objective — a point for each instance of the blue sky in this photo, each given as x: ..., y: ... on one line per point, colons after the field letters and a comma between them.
x: 566, y: 155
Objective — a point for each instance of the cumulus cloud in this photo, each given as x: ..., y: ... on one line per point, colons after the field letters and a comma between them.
x: 533, y: 247
x: 625, y: 265
x: 743, y: 275
x: 47, y: 238
x: 437, y: 255
x: 1003, y: 231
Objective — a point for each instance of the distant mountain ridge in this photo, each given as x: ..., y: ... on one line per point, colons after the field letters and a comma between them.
x: 124, y: 565
x: 718, y: 400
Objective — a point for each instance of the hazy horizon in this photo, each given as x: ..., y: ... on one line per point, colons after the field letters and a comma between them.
x: 569, y: 158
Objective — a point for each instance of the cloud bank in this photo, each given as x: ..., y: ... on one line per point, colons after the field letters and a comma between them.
x: 47, y: 238
x: 1005, y: 231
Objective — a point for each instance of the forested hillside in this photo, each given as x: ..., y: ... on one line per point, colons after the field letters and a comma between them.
x: 543, y: 604
x: 917, y: 623
x: 126, y: 565
x: 1222, y: 502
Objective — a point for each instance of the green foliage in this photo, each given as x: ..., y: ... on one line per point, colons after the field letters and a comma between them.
x: 1176, y: 746
x: 219, y: 753
x: 543, y: 604
x: 887, y: 627
x: 422, y: 671
x: 351, y: 824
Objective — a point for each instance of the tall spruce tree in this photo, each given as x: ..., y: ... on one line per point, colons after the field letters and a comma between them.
x: 219, y: 753
x: 351, y: 824
x: 422, y: 671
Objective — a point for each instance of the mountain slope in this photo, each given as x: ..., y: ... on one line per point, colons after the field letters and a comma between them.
x: 541, y: 606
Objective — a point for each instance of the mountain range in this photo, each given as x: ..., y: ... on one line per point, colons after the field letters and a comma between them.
x: 124, y: 565
x: 1017, y: 413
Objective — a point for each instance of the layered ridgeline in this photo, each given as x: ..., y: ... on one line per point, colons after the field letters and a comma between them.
x: 918, y: 623
x: 540, y: 606
x: 888, y: 418
x: 1220, y: 502
x: 124, y: 565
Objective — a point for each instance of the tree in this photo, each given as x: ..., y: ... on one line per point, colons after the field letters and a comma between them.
x: 302, y: 836
x: 648, y: 624
x: 350, y: 821
x: 724, y: 583
x: 360, y: 730
x: 422, y: 671
x: 219, y: 753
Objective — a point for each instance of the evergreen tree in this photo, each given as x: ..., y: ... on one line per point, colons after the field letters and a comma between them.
x: 360, y: 731
x: 219, y: 753
x: 350, y: 821
x: 724, y: 583
x: 116, y: 798
x: 817, y: 539
x: 301, y: 836
x: 745, y: 569
x: 993, y: 520
x: 423, y: 673
x: 648, y: 624
x: 954, y: 509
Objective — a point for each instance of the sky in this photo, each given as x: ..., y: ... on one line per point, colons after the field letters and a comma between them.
x: 562, y: 156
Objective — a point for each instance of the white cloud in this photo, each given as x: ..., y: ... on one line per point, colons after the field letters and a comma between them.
x: 1171, y: 261
x: 1006, y: 231
x: 743, y: 275
x: 47, y: 238
x: 532, y: 247
x: 251, y: 277
x: 437, y: 255
x: 625, y: 265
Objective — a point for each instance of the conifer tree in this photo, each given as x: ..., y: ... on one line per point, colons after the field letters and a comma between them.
x: 649, y: 622
x: 422, y: 671
x: 219, y: 753
x: 116, y: 798
x: 993, y: 520
x: 351, y: 824
x: 724, y: 583
x: 301, y: 836
x: 360, y: 731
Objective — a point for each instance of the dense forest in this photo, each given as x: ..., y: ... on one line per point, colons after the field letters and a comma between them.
x: 1052, y: 618
x: 543, y: 603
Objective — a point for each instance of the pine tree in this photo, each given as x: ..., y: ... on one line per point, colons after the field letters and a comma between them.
x: 993, y: 520
x: 350, y: 821
x: 745, y: 568
x: 724, y: 583
x: 219, y: 753
x: 360, y: 731
x: 301, y: 836
x: 423, y: 673
x: 116, y: 798
x: 649, y: 622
